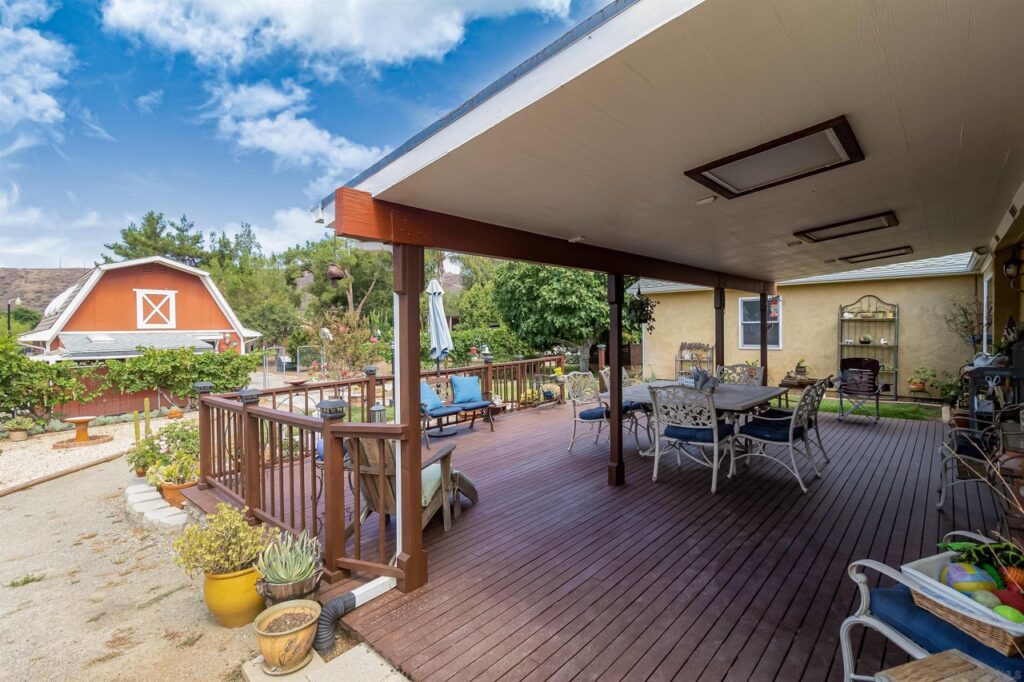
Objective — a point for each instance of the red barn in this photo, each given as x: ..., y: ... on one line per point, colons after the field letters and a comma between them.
x: 150, y: 302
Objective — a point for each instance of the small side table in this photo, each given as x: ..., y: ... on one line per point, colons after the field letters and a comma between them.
x: 792, y: 381
x: 949, y: 665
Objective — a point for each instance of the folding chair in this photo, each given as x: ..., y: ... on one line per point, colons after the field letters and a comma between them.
x: 858, y: 383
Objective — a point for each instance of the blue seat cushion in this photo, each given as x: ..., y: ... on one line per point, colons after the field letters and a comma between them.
x: 473, y: 405
x: 974, y: 445
x: 774, y: 431
x: 895, y: 607
x: 631, y: 406
x: 698, y: 435
x: 594, y: 413
x: 466, y: 389
x: 320, y: 449
x: 429, y: 397
x: 444, y: 411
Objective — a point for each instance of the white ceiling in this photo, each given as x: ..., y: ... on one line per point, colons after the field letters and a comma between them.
x: 932, y: 89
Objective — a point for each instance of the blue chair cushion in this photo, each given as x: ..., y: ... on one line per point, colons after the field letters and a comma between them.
x: 774, y: 431
x: 320, y: 449
x: 444, y: 411
x: 466, y: 390
x: 631, y: 406
x: 895, y: 607
x: 974, y: 445
x: 429, y: 397
x: 474, y: 405
x: 698, y: 435
x: 594, y: 413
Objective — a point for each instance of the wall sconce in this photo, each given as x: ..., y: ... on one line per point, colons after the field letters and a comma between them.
x: 1012, y: 268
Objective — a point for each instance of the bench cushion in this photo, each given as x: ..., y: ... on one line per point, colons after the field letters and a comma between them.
x: 475, y: 405
x: 429, y: 397
x: 895, y: 607
x: 466, y: 389
x: 698, y: 435
x: 444, y: 411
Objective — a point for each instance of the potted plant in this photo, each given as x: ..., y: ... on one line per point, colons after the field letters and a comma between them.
x: 171, y: 478
x: 224, y: 549
x: 285, y: 635
x: 920, y: 378
x: 866, y: 339
x: 801, y: 368
x: 17, y: 428
x: 291, y: 567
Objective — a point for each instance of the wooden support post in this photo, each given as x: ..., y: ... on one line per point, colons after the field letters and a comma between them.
x: 719, y: 328
x: 602, y: 357
x: 334, y: 501
x: 205, y: 435
x: 370, y: 396
x: 408, y: 275
x: 488, y: 376
x: 251, y: 454
x: 763, y: 303
x: 616, y: 463
x: 561, y: 385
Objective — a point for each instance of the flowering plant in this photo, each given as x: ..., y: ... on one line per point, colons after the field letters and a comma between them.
x: 183, y: 468
x: 160, y: 449
x: 224, y: 543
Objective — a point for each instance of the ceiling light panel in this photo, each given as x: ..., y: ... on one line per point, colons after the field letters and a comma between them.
x: 877, y: 255
x: 848, y: 228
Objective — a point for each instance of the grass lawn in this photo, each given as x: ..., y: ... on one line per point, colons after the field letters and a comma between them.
x: 919, y: 411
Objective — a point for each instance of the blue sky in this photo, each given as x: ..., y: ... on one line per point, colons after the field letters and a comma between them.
x: 226, y: 110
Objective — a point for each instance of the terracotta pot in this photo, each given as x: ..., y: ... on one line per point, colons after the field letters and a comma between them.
x: 232, y: 597
x: 916, y: 385
x: 285, y: 652
x: 172, y: 492
x: 17, y: 436
x: 140, y: 472
x: 276, y: 593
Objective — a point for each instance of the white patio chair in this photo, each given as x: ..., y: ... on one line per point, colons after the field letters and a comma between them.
x: 747, y: 375
x: 583, y: 389
x: 684, y: 417
x: 790, y: 430
x: 632, y: 411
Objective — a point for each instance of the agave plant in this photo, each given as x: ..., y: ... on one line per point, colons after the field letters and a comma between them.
x: 290, y: 559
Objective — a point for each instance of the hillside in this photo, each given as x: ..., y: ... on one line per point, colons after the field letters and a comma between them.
x: 36, y: 286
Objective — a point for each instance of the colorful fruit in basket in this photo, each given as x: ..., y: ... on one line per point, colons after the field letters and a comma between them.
x: 1012, y: 575
x: 1009, y: 613
x: 1011, y: 596
x: 986, y: 598
x: 966, y: 578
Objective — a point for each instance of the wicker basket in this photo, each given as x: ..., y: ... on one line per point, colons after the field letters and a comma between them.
x: 991, y: 636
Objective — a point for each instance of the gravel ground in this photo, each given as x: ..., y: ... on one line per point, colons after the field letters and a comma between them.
x: 35, y: 457
x: 109, y: 602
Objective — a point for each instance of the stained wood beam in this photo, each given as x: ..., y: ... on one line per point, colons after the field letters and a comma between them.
x: 719, y: 327
x: 359, y: 216
x: 616, y: 464
x: 763, y: 305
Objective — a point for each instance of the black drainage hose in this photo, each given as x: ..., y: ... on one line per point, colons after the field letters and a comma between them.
x: 331, y: 612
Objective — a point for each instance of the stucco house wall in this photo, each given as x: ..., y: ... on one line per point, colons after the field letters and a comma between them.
x: 809, y: 325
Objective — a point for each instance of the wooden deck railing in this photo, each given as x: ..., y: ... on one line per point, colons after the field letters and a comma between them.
x: 266, y: 451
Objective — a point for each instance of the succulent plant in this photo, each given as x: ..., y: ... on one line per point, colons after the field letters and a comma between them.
x: 290, y: 559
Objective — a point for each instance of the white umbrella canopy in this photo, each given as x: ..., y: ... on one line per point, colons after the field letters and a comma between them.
x: 437, y: 323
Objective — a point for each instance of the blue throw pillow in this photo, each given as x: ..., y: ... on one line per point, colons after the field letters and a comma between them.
x: 429, y: 397
x: 466, y: 389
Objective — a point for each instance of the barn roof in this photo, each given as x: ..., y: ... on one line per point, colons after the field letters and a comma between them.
x: 93, y: 346
x: 61, y: 308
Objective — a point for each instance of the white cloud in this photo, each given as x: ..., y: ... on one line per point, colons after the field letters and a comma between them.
x: 372, y: 32
x: 290, y: 226
x: 260, y: 117
x: 93, y: 127
x: 148, y: 102
x: 32, y: 66
x: 31, y: 236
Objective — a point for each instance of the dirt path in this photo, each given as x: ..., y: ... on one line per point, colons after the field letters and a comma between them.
x: 110, y: 604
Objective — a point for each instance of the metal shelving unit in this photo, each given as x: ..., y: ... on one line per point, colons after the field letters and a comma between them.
x: 869, y: 317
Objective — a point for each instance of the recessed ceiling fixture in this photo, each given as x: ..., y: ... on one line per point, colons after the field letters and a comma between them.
x: 821, y: 147
x: 796, y: 243
x: 577, y: 239
x: 848, y: 228
x: 706, y: 200
x: 877, y: 255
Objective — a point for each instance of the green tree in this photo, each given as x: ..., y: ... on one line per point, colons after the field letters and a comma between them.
x: 477, y: 307
x: 364, y: 286
x: 548, y: 306
x: 155, y: 236
x: 474, y: 269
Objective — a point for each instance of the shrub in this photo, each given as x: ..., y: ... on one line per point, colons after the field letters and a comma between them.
x: 175, y: 372
x: 504, y: 344
x: 182, y: 468
x: 224, y: 543
x: 19, y: 424
x: 160, y: 448
x: 290, y: 559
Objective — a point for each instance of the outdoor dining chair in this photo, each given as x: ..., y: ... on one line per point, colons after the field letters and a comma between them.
x: 818, y: 389
x: 584, y: 390
x: 685, y: 417
x: 972, y: 455
x: 629, y: 407
x: 858, y: 383
x: 747, y: 375
x: 790, y: 430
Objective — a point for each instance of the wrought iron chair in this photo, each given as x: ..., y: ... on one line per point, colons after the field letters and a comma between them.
x: 819, y: 388
x: 858, y: 383
x: 583, y: 389
x: 748, y: 375
x: 686, y: 417
x: 973, y: 454
x: 790, y: 430
x: 630, y: 409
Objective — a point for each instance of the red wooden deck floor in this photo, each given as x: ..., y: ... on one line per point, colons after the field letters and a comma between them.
x: 556, y: 575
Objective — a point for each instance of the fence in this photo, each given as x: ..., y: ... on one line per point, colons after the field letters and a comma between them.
x: 290, y: 467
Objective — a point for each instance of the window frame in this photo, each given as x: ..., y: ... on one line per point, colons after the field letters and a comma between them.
x: 739, y: 315
x: 143, y: 295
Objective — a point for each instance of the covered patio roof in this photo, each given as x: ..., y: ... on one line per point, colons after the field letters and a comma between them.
x: 593, y: 136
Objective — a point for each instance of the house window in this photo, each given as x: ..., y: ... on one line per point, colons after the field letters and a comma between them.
x: 750, y: 322
x: 154, y: 309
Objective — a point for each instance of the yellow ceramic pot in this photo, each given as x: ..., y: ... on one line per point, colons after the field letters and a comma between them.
x: 232, y: 597
x: 288, y: 650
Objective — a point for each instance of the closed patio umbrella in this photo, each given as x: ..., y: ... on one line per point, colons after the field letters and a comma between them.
x: 437, y: 324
